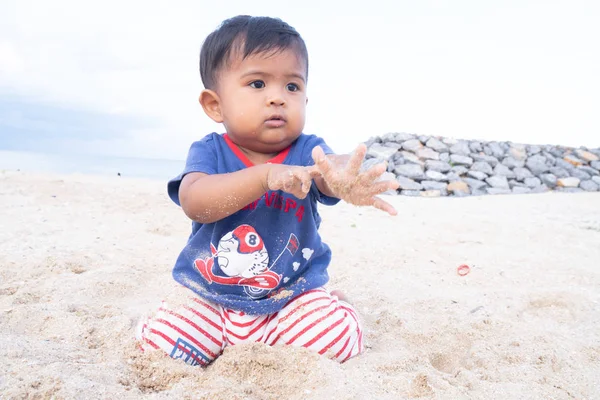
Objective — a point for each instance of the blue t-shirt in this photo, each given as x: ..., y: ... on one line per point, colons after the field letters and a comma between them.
x: 262, y: 256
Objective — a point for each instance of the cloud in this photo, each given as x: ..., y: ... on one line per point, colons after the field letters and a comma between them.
x: 30, y: 125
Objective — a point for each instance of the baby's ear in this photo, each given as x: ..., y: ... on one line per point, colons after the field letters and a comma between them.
x: 211, y: 103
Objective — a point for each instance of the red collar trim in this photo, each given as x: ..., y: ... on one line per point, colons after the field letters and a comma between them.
x: 278, y: 159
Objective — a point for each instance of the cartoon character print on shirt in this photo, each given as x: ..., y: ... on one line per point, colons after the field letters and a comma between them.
x: 242, y: 257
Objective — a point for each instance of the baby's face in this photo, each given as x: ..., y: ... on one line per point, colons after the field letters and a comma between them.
x: 263, y: 101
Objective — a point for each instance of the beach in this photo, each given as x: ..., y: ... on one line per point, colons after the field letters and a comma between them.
x: 83, y: 257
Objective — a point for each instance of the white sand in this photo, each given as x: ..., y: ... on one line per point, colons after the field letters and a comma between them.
x: 82, y: 257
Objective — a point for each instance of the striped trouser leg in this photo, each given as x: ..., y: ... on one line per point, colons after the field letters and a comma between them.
x: 320, y: 322
x: 192, y: 331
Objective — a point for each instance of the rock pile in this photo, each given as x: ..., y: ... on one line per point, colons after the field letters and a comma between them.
x: 433, y: 166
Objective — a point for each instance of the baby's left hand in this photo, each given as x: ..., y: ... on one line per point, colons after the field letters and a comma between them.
x: 349, y: 183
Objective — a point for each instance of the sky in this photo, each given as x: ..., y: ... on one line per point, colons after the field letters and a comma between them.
x: 120, y: 77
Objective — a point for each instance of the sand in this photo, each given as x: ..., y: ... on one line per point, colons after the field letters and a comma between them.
x: 82, y: 257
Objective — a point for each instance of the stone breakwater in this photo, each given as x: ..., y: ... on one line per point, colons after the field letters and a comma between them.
x: 430, y: 166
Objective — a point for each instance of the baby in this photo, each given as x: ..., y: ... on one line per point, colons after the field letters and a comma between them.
x: 254, y: 265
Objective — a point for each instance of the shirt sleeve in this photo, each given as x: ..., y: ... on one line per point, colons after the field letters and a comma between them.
x: 312, y: 142
x: 201, y: 157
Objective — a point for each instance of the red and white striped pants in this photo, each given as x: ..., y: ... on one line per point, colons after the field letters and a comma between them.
x: 198, y: 331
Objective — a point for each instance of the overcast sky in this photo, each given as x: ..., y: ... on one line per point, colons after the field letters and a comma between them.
x: 121, y: 77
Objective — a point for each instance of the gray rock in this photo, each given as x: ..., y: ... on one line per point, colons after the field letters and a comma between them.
x: 433, y: 185
x: 411, y: 158
x: 475, y: 146
x: 453, y: 176
x: 436, y: 176
x: 449, y: 141
x: 445, y: 157
x: 550, y: 159
x: 478, y: 174
x: 439, y: 166
x: 540, y: 189
x: 586, y: 155
x: 512, y: 183
x: 559, y: 172
x: 533, y: 149
x: 549, y: 179
x: 595, y: 165
x: 493, y: 161
x: 493, y: 190
x: 565, y: 165
x: 458, y: 159
x: 589, y: 186
x: 474, y: 184
x: 412, y: 145
x: 428, y: 154
x: 568, y: 182
x: 433, y: 193
x: 556, y: 152
x: 533, y: 182
x: 478, y: 192
x: 521, y: 190
x: 495, y: 149
x: 372, y: 140
x: 589, y: 170
x: 581, y: 175
x: 459, y: 170
x: 461, y: 194
x: 511, y: 162
x: 518, y: 152
x: 411, y: 193
x: 424, y: 138
x: 393, y: 145
x: 408, y: 184
x: 596, y: 179
x: 403, y: 137
x: 390, y: 166
x: 537, y: 164
x: 379, y: 151
x: 461, y: 148
x: 499, y: 182
x: 413, y: 171
x: 595, y: 151
x: 570, y: 158
x: 503, y: 170
x: 522, y: 173
x: 482, y: 166
x: 398, y: 158
x: 389, y: 137
x: 436, y: 145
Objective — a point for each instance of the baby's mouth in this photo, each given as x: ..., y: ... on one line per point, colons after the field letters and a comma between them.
x: 275, y: 121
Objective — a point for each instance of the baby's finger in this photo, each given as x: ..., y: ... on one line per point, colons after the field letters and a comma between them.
x: 356, y: 159
x: 321, y: 160
x: 383, y: 186
x: 306, y: 181
x: 313, y: 171
x: 375, y: 171
x: 384, y: 206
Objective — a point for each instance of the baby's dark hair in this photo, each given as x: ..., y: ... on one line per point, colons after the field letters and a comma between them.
x: 249, y: 35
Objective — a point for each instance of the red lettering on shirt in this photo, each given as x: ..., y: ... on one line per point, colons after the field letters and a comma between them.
x: 289, y: 203
x: 300, y: 213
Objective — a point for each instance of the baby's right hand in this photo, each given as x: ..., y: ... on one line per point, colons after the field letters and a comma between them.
x: 291, y: 179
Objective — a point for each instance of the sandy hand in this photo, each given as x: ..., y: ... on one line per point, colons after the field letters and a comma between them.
x: 291, y: 179
x: 352, y: 185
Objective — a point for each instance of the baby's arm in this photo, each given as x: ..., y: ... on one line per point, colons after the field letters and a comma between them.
x: 210, y: 198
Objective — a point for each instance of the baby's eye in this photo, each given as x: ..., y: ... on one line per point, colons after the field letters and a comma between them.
x: 292, y: 87
x: 257, y: 84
